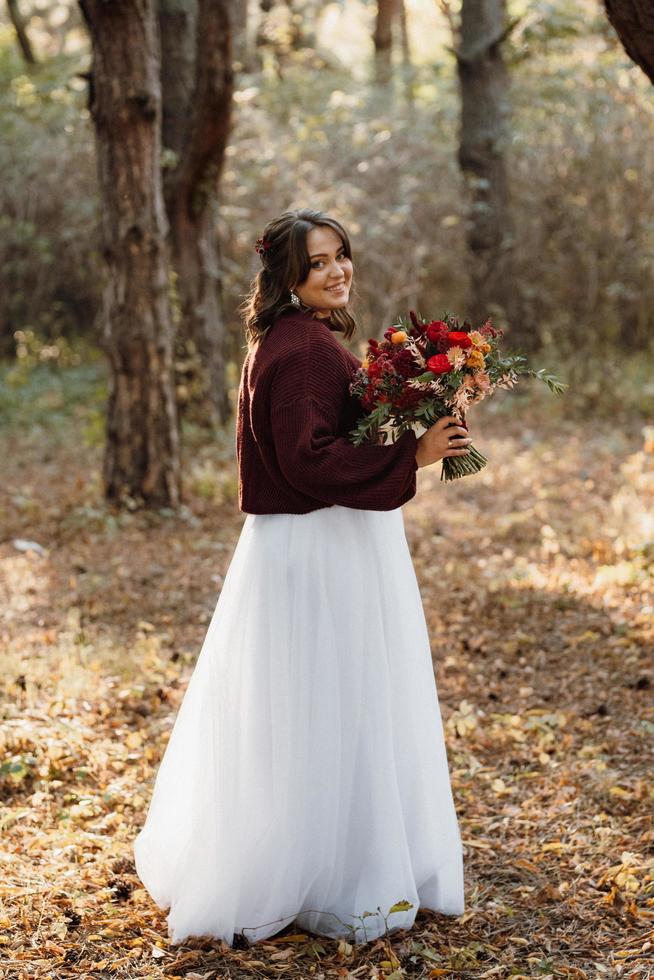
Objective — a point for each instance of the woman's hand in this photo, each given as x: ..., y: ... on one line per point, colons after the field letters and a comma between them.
x: 442, y: 439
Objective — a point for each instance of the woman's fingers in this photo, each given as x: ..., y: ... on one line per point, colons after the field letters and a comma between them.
x: 449, y: 428
x: 445, y: 420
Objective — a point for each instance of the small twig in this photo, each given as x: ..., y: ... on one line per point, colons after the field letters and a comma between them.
x: 446, y: 10
x: 38, y: 925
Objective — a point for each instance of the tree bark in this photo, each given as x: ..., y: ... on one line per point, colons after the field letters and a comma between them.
x: 383, y: 41
x: 484, y: 85
x: 141, y: 464
x: 633, y: 21
x: 22, y: 36
x: 197, y: 80
x: 178, y: 32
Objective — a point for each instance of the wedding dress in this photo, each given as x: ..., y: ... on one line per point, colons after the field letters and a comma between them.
x: 306, y: 779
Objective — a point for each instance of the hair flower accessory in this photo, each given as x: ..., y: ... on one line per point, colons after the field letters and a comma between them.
x: 262, y: 245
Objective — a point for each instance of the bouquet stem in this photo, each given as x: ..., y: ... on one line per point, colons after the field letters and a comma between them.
x: 455, y: 467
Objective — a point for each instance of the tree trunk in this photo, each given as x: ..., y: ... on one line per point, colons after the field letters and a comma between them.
x: 21, y: 31
x: 484, y: 85
x: 178, y: 32
x: 197, y: 80
x: 383, y: 41
x: 407, y: 63
x: 141, y: 464
x: 633, y: 21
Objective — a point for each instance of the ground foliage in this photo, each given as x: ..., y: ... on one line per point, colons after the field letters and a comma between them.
x: 537, y: 587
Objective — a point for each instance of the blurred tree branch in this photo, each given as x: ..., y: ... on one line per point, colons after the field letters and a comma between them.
x: 21, y: 31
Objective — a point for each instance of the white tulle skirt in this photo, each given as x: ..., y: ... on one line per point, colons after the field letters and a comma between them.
x: 306, y: 778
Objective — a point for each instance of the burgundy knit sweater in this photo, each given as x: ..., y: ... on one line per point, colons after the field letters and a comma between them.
x: 294, y: 413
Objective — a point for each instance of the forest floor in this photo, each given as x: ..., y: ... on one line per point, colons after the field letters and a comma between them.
x: 536, y: 578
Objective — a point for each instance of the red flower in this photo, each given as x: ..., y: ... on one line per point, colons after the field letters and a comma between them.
x: 436, y: 330
x: 408, y: 398
x: 459, y: 338
x: 368, y: 400
x: 389, y: 333
x: 404, y: 364
x: 439, y: 364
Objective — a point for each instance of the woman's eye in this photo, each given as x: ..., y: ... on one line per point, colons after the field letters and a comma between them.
x: 314, y: 265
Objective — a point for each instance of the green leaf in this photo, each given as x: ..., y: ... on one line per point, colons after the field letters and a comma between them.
x: 552, y: 382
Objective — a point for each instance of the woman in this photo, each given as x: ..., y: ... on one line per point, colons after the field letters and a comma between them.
x: 306, y: 780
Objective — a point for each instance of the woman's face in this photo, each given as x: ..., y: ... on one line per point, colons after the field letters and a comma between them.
x: 327, y: 287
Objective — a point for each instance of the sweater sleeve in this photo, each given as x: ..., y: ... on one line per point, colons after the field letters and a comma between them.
x: 309, y: 385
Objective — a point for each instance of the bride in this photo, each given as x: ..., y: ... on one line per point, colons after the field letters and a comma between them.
x: 306, y: 780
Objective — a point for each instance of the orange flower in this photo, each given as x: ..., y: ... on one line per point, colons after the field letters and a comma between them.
x: 475, y: 359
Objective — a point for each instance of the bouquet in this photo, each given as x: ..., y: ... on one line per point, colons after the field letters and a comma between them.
x: 425, y: 369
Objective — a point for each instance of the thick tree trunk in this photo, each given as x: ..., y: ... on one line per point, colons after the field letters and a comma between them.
x: 197, y: 82
x: 484, y: 87
x: 383, y: 41
x: 141, y: 462
x: 633, y: 21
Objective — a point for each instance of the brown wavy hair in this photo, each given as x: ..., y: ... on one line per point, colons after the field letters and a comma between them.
x: 285, y: 263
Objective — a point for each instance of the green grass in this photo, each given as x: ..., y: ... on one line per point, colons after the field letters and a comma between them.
x: 42, y: 399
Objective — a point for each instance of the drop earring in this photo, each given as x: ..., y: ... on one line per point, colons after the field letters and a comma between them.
x: 295, y: 300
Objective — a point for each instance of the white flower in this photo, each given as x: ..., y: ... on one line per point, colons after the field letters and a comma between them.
x: 457, y: 357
